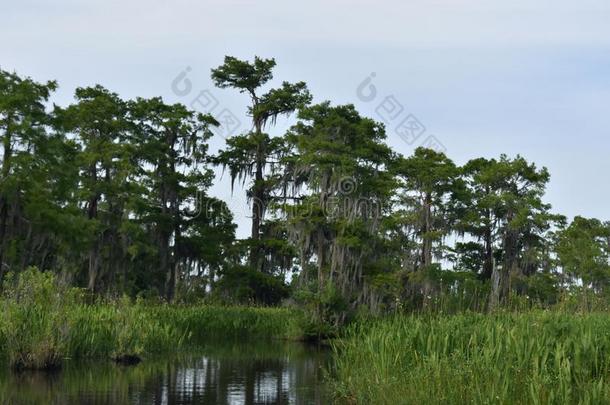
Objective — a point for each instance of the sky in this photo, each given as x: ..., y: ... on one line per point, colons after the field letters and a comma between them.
x: 478, y: 78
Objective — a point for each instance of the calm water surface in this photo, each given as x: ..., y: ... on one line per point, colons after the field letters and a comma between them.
x: 218, y: 373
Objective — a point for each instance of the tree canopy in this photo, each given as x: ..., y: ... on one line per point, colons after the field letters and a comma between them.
x: 112, y: 195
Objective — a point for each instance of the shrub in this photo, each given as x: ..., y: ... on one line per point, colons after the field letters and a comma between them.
x: 242, y: 285
x: 35, y: 328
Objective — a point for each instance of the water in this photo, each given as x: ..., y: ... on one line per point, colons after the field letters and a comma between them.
x: 218, y: 373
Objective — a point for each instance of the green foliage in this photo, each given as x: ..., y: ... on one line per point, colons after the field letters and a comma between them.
x: 42, y: 323
x: 35, y: 179
x: 120, y: 329
x: 112, y: 195
x: 583, y: 250
x: 340, y: 180
x: 109, y: 193
x: 242, y: 285
x: 242, y: 74
x: 256, y: 156
x: 535, y: 357
x: 201, y: 322
x: 324, y: 306
x: 34, y: 325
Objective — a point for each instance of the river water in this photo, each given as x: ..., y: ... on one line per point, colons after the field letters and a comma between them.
x: 217, y: 373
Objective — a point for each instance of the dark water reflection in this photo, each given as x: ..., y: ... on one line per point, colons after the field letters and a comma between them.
x: 218, y: 373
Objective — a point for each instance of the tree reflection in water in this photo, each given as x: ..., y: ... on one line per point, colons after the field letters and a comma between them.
x: 217, y: 373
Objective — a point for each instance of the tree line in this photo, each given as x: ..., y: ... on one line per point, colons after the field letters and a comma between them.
x: 107, y: 193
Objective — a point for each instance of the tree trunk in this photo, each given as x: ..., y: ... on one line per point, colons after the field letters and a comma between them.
x: 321, y: 258
x: 257, y: 214
x: 94, y: 250
x: 500, y: 280
x: 165, y: 265
x: 488, y: 265
x: 169, y: 195
x: 93, y: 268
x: 258, y: 205
x: 427, y: 241
x: 6, y: 167
x: 174, y: 280
x: 3, y: 225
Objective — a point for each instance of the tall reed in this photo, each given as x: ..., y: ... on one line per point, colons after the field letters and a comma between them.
x: 538, y: 357
x: 43, y: 323
x: 33, y: 326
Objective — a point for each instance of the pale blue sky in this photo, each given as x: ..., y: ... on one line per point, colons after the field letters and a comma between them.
x: 484, y: 78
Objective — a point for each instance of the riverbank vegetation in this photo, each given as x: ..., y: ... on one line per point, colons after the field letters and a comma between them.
x: 43, y: 323
x: 538, y: 357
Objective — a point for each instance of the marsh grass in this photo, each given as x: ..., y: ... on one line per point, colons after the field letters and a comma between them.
x: 43, y: 323
x: 120, y: 330
x: 539, y: 357
x: 33, y: 324
x: 209, y: 321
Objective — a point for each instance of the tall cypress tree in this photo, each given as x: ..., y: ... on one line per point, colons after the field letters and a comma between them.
x: 24, y: 124
x: 251, y: 156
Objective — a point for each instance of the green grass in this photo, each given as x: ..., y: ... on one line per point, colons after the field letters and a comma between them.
x: 41, y: 324
x: 208, y: 321
x: 126, y: 328
x: 538, y: 357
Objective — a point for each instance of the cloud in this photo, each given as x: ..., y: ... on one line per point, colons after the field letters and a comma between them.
x: 424, y: 23
x: 485, y: 77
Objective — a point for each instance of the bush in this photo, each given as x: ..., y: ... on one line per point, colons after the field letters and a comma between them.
x: 242, y: 285
x: 34, y: 325
x: 327, y: 310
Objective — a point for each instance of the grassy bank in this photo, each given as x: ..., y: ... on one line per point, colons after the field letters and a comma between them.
x: 41, y: 324
x: 114, y: 330
x: 536, y: 357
